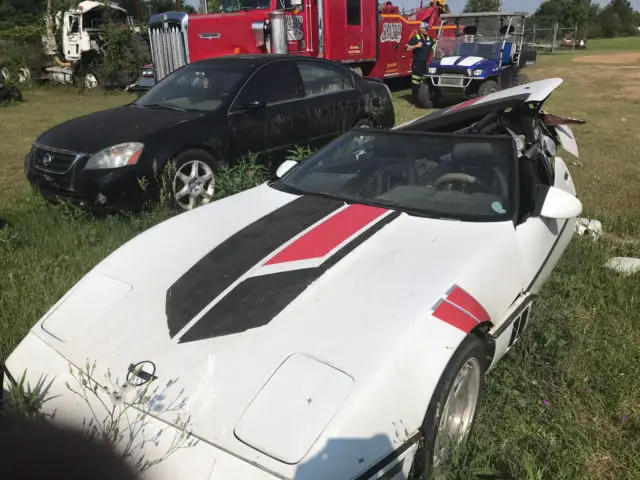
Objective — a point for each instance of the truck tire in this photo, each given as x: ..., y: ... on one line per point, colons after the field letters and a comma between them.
x: 87, y: 77
x: 357, y: 71
x: 424, y: 96
x: 473, y: 358
x: 487, y: 87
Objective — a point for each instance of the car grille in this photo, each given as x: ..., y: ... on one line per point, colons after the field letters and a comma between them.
x: 168, y: 50
x: 451, y: 81
x: 54, y: 161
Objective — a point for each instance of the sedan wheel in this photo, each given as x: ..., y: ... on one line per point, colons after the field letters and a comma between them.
x: 193, y: 184
x: 457, y: 415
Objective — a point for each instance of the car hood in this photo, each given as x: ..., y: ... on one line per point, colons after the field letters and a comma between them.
x: 240, y: 334
x: 99, y: 130
x: 464, y: 62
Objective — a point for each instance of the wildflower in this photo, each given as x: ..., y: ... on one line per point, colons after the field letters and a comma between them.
x: 545, y: 402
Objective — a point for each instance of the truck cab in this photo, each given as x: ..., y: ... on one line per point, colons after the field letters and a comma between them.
x: 359, y: 33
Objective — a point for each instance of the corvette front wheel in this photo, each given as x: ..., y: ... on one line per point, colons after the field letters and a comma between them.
x: 452, y: 409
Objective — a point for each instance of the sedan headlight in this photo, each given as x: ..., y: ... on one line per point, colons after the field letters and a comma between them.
x: 433, y: 70
x: 478, y: 72
x: 116, y: 156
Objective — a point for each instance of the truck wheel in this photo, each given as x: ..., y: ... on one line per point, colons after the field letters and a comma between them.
x: 424, y: 96
x: 191, y: 179
x: 357, y: 71
x: 452, y: 409
x: 487, y: 87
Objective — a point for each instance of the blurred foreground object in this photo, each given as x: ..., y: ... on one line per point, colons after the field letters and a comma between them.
x: 36, y: 449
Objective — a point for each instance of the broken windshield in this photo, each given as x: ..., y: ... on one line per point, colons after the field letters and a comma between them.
x: 229, y: 6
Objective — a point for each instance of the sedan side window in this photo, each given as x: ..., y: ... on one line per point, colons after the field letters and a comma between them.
x: 273, y: 83
x: 319, y: 79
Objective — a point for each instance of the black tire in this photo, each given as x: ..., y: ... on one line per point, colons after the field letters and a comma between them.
x: 363, y: 123
x: 424, y: 99
x: 487, y: 87
x: 472, y: 347
x: 171, y: 169
x: 88, y: 69
x: 523, y: 79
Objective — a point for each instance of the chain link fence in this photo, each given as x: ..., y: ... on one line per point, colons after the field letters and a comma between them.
x: 555, y: 39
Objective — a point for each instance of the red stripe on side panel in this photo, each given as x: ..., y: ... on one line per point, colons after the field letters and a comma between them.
x: 326, y: 236
x: 465, y: 301
x: 454, y: 316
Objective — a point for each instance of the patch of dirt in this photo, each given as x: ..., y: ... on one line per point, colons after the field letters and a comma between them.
x: 617, y: 58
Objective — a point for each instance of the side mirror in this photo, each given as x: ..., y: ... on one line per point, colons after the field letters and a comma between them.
x: 252, y: 105
x: 559, y: 204
x: 285, y: 167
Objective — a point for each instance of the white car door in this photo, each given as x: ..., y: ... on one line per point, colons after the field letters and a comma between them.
x: 543, y: 240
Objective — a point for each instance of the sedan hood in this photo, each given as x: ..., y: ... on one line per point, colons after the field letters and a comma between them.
x: 271, y: 300
x: 99, y: 130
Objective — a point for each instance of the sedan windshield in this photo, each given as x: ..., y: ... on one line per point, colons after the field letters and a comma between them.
x: 198, y: 87
x: 465, y: 177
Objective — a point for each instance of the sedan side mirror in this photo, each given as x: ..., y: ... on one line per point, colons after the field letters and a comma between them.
x: 285, y: 167
x: 559, y: 204
x: 252, y: 105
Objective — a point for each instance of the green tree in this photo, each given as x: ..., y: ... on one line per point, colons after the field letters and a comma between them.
x: 214, y: 6
x: 624, y: 11
x: 609, y: 22
x: 483, y: 6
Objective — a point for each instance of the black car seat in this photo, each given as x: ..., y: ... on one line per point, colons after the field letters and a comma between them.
x: 482, y: 161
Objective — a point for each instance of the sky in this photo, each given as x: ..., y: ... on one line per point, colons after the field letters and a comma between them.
x: 458, y: 5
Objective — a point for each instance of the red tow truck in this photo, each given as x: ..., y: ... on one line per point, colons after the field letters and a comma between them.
x: 358, y: 33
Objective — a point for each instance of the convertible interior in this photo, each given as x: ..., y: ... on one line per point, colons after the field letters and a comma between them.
x: 441, y: 175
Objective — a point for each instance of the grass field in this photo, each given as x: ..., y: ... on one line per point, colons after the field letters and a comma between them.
x: 564, y: 404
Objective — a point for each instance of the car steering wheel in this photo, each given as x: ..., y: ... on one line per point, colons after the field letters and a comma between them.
x: 461, y: 178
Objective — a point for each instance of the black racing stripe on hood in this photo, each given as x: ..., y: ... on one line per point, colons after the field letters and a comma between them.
x: 257, y: 300
x: 222, y: 266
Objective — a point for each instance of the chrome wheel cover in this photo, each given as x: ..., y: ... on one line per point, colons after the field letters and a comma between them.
x: 193, y: 184
x: 457, y: 415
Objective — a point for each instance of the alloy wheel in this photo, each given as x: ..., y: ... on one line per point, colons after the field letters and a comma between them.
x: 457, y: 415
x: 193, y: 184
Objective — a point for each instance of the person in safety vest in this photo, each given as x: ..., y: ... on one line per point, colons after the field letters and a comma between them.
x: 421, y: 45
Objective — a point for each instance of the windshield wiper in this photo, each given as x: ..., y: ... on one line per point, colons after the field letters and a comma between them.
x: 163, y: 105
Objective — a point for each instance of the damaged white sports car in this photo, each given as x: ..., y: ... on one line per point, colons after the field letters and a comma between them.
x: 335, y: 324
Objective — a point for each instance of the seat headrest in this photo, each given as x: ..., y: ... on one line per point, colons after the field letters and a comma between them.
x: 475, y: 152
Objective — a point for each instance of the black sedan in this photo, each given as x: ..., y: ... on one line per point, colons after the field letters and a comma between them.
x: 203, y: 116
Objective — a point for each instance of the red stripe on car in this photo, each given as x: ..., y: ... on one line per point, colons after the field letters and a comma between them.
x: 454, y: 316
x: 465, y: 104
x: 326, y: 236
x: 464, y: 300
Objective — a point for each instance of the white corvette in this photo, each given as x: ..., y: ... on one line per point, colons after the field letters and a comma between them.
x: 335, y: 324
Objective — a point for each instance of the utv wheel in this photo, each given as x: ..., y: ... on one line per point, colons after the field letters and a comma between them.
x: 424, y: 99
x: 452, y: 409
x: 191, y: 179
x: 364, y: 123
x: 487, y: 87
x: 523, y: 79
